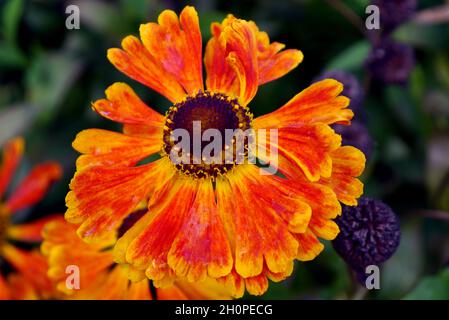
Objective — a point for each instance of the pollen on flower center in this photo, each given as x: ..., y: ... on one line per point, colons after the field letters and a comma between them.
x: 205, y: 119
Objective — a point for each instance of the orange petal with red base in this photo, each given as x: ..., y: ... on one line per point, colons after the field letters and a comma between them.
x: 171, y: 293
x: 256, y: 285
x: 21, y: 289
x: 61, y: 233
x: 12, y: 153
x: 282, y: 198
x: 321, y: 102
x: 324, y: 228
x: 321, y: 199
x: 147, y: 243
x: 137, y: 63
x: 209, y: 289
x: 32, y: 231
x: 139, y: 291
x: 177, y: 45
x: 31, y: 265
x: 141, y: 130
x: 34, y: 186
x: 64, y: 248
x: 261, y: 234
x: 201, y: 247
x: 274, y: 63
x: 108, y: 148
x: 93, y: 201
x: 123, y: 105
x: 234, y: 283
x: 240, y: 45
x: 309, y: 246
x: 115, y: 287
x: 220, y: 76
x: 308, y: 147
x: 4, y: 289
x: 348, y: 163
x: 231, y: 59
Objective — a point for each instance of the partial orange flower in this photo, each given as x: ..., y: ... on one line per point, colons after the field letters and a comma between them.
x: 100, y: 278
x: 28, y: 278
x: 220, y: 220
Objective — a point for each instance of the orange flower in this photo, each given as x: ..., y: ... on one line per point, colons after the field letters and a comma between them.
x: 100, y: 278
x: 28, y: 279
x: 226, y: 220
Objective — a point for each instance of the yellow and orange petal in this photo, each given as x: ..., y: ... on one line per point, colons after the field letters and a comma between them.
x: 307, y: 147
x: 17, y: 287
x: 22, y: 289
x: 200, y: 249
x: 124, y: 106
x: 168, y: 60
x: 30, y: 265
x: 239, y: 45
x: 319, y: 103
x: 269, y: 60
x: 94, y: 201
x: 107, y: 148
x: 176, y: 43
x: 348, y: 164
x: 30, y: 231
x: 4, y: 289
x: 101, y: 278
x: 28, y: 279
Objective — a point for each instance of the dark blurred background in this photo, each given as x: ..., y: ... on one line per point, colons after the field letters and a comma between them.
x: 49, y: 76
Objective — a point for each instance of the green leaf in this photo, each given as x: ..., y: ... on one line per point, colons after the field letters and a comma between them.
x: 136, y: 8
x: 12, y: 12
x: 14, y: 120
x: 352, y: 58
x: 431, y: 288
x: 110, y: 22
x: 437, y: 169
x: 48, y: 80
x: 11, y: 56
x: 206, y: 20
x: 441, y: 68
x: 423, y: 36
x: 397, y: 280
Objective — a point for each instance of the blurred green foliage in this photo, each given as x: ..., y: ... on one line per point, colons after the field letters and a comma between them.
x: 49, y: 76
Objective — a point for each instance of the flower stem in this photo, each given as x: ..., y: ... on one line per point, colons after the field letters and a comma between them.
x: 348, y: 13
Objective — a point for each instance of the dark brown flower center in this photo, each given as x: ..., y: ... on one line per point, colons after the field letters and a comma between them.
x: 210, y: 122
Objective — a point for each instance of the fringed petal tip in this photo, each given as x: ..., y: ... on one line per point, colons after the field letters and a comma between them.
x: 107, y: 148
x: 348, y: 164
x: 168, y: 58
x: 268, y: 62
x: 239, y: 58
x: 319, y: 103
x: 93, y: 201
x: 123, y: 105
